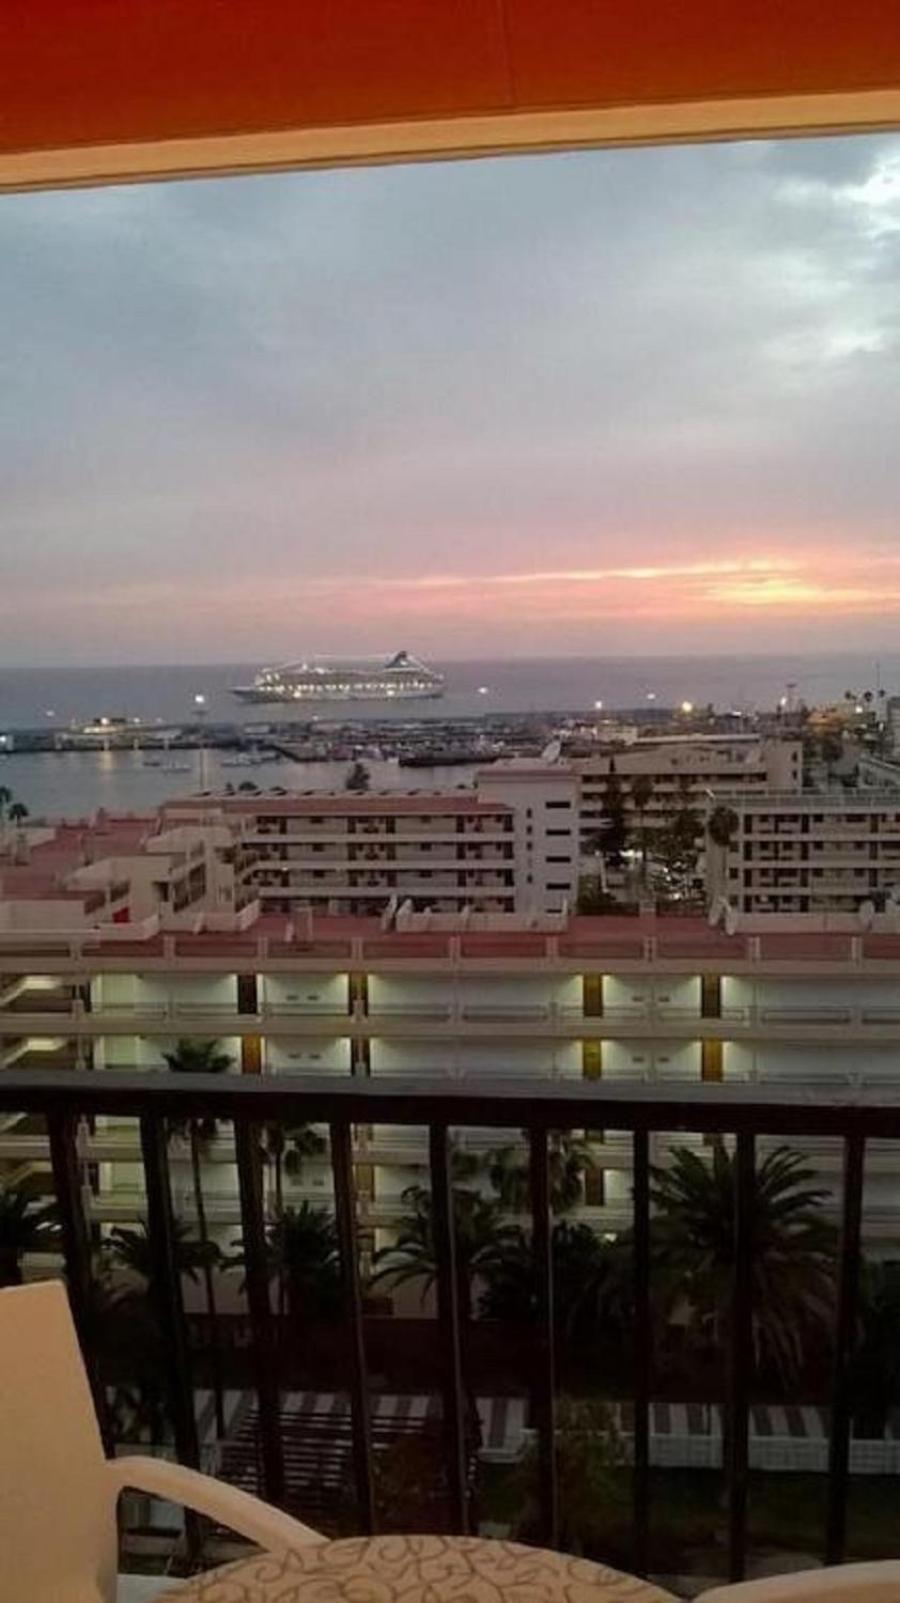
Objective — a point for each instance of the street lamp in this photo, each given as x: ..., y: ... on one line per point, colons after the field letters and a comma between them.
x: 200, y: 705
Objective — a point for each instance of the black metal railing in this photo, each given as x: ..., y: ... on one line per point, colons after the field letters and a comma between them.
x: 65, y: 1099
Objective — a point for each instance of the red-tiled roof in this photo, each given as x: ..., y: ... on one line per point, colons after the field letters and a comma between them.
x: 339, y: 805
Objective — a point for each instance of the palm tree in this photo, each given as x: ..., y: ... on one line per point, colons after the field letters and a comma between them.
x: 480, y: 1237
x: 590, y: 1283
x: 18, y: 812
x: 133, y: 1250
x: 568, y: 1158
x: 676, y: 847
x: 121, y: 1325
x: 793, y: 1251
x: 6, y: 797
x: 722, y: 825
x: 358, y: 778
x: 641, y: 795
x: 141, y: 1407
x: 614, y: 834
x: 26, y: 1225
x: 287, y: 1147
x: 304, y: 1251
x: 203, y: 1057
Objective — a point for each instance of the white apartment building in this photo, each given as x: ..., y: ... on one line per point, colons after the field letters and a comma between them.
x: 681, y: 770
x: 543, y: 799
x: 474, y: 997
x: 821, y: 853
x: 121, y: 870
x: 508, y: 846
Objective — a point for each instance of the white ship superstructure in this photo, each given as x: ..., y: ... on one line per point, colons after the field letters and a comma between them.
x: 400, y: 677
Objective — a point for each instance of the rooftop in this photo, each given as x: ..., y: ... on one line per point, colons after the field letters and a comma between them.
x: 593, y: 940
x: 377, y: 803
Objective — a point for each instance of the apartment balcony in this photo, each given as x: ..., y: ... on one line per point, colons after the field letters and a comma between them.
x: 853, y: 1136
x: 621, y: 946
x: 645, y: 1019
x: 405, y: 833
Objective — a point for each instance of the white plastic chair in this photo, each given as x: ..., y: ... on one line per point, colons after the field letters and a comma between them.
x: 844, y: 1583
x: 58, y: 1491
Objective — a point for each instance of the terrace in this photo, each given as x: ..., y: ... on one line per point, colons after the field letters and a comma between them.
x: 313, y: 1419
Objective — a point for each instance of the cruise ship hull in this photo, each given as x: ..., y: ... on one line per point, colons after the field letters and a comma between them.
x: 290, y: 696
x: 401, y: 677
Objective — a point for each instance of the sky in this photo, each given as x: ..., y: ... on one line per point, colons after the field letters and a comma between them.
x: 620, y: 402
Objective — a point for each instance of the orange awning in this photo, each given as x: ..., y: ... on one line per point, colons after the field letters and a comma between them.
x: 106, y: 87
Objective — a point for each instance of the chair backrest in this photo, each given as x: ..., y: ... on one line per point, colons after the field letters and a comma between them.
x: 57, y: 1511
x: 846, y: 1583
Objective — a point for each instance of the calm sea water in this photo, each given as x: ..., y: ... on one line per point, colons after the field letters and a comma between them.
x: 76, y: 782
x: 57, y: 696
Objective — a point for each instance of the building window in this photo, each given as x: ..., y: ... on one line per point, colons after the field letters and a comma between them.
x: 557, y: 806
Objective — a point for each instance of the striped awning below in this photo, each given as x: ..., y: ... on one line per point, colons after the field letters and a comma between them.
x: 785, y: 1421
x: 503, y: 1419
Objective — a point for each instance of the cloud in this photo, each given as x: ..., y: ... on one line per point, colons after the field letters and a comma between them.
x: 654, y: 390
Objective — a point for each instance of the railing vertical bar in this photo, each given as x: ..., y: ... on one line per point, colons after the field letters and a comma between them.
x: 642, y: 1350
x: 449, y: 1323
x: 845, y: 1324
x: 740, y: 1355
x: 62, y: 1129
x: 345, y: 1208
x: 545, y: 1387
x: 248, y: 1153
x: 166, y: 1286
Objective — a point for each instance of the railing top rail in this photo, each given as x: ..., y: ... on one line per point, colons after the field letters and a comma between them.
x: 411, y: 1100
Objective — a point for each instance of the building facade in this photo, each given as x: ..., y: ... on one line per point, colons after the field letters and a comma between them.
x: 509, y: 845
x: 679, y: 771
x: 821, y: 853
x: 477, y: 997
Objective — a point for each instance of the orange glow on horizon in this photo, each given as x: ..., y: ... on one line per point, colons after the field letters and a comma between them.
x: 813, y: 586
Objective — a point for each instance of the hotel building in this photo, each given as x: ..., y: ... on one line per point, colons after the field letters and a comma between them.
x: 109, y: 984
x: 509, y: 845
x: 820, y: 853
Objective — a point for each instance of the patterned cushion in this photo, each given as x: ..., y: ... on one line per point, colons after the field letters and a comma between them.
x: 418, y: 1569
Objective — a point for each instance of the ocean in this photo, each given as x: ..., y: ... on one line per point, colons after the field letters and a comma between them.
x: 74, y: 783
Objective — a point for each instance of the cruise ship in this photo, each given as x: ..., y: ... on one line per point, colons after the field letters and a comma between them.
x: 401, y: 677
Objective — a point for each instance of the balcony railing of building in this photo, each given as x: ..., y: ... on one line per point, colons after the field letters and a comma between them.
x: 670, y: 949
x: 872, y: 1018
x: 636, y: 1113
